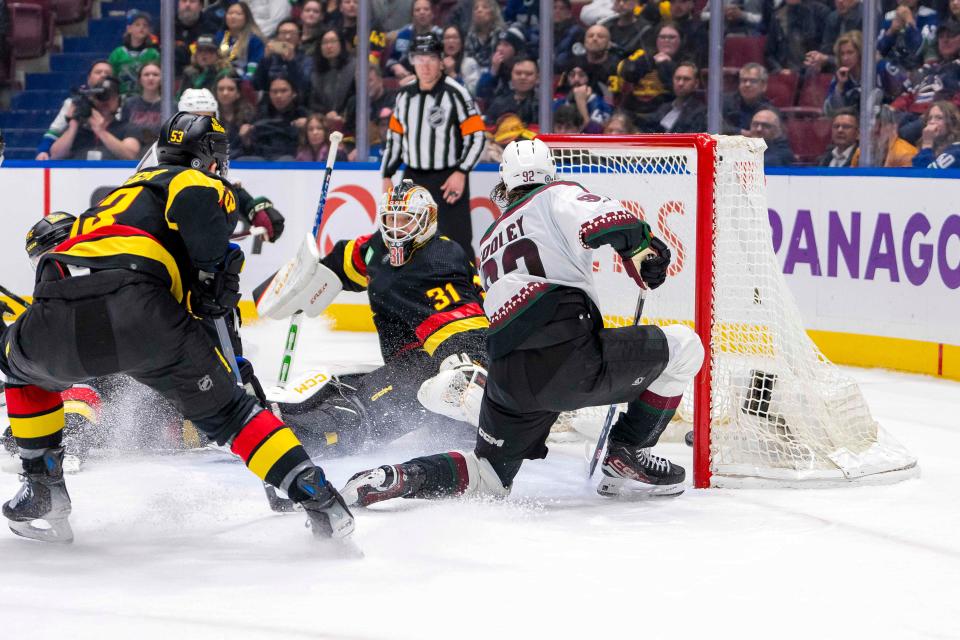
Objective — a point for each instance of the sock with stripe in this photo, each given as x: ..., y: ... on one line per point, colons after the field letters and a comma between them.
x: 273, y: 453
x: 645, y: 419
x: 36, y: 419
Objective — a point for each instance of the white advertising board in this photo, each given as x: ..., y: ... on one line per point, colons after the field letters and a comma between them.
x: 863, y: 254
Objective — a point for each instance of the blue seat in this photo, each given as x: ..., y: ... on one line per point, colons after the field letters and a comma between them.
x: 82, y: 45
x: 49, y: 82
x: 24, y: 119
x: 108, y: 32
x: 20, y: 153
x: 37, y: 100
x: 75, y: 65
x: 23, y: 137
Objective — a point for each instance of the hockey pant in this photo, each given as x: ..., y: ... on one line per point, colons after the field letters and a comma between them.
x: 117, y: 321
x: 647, y: 367
x: 380, y: 408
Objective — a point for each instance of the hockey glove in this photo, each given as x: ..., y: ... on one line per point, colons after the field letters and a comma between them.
x: 262, y: 214
x: 648, y: 267
x: 216, y: 294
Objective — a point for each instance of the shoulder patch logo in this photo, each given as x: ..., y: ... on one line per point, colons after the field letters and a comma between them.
x: 216, y: 125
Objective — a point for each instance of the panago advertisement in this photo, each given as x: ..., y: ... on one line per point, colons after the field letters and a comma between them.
x: 872, y: 259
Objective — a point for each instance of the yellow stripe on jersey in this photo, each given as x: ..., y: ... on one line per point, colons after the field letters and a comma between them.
x: 271, y: 451
x: 37, y: 426
x: 185, y: 180
x: 348, y: 267
x: 134, y: 245
x: 457, y: 326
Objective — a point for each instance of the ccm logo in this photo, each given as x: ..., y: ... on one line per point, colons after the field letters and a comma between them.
x: 317, y: 294
x: 309, y: 383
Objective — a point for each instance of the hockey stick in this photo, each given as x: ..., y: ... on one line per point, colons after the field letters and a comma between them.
x: 293, y: 332
x: 278, y: 504
x: 256, y: 232
x: 612, y: 411
x: 10, y: 294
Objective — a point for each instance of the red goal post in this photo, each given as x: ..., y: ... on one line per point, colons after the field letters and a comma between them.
x: 767, y: 408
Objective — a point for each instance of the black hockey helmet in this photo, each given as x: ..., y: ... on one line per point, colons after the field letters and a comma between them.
x: 427, y: 43
x: 47, y: 234
x: 190, y: 140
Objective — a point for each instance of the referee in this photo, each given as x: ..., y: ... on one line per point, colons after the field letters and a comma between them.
x: 436, y: 131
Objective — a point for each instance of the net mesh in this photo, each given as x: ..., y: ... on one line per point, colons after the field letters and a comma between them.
x: 779, y: 410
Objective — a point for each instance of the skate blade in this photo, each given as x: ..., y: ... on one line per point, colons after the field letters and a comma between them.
x: 56, y: 531
x: 627, y: 490
x: 71, y: 463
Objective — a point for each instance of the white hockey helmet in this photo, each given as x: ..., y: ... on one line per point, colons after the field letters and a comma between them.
x: 527, y: 162
x: 407, y: 219
x: 198, y: 101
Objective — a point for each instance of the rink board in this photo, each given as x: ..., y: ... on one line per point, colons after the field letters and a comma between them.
x: 873, y: 257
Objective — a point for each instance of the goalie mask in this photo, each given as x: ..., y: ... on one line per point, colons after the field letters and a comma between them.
x: 47, y: 234
x: 407, y: 219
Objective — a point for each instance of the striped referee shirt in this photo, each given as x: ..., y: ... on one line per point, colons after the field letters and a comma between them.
x: 433, y: 130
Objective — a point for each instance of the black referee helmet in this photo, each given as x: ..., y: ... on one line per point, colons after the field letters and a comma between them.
x: 427, y: 43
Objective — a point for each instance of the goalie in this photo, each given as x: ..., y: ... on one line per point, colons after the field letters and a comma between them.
x: 426, y: 303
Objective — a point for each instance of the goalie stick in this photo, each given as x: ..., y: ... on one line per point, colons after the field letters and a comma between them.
x: 286, y: 505
x: 293, y: 332
x: 612, y: 411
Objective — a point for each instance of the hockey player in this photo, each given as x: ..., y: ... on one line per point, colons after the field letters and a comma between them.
x: 427, y: 308
x: 548, y: 349
x: 122, y: 295
x: 256, y: 212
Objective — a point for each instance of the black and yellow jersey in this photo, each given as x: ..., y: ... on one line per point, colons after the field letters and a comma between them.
x: 432, y: 302
x: 167, y: 221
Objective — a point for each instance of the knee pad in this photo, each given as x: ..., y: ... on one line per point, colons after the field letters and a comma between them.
x: 685, y: 359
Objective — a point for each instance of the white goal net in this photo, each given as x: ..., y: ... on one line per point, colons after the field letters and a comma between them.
x: 771, y: 409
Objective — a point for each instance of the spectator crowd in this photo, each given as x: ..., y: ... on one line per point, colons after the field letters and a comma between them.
x: 283, y: 75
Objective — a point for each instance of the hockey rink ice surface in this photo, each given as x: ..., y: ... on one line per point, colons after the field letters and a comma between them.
x: 184, y: 546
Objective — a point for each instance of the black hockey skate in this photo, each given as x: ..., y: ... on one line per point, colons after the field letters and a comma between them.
x: 328, y: 515
x: 383, y: 483
x: 42, y: 497
x: 630, y: 470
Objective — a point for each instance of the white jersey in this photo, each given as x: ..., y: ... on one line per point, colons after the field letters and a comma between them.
x: 545, y: 241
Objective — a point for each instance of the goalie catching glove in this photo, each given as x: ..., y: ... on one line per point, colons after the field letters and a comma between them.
x: 456, y: 391
x: 216, y: 294
x: 648, y: 264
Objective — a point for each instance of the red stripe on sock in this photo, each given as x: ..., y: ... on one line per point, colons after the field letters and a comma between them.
x: 660, y: 402
x: 30, y: 400
x: 463, y: 475
x: 253, y: 433
x: 83, y: 394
